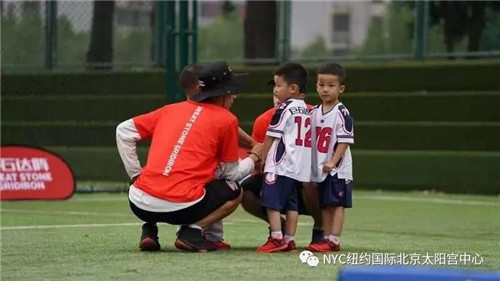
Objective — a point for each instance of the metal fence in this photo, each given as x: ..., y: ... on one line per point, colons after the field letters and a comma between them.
x: 57, y: 34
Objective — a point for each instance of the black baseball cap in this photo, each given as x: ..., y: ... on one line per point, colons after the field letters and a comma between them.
x: 217, y: 79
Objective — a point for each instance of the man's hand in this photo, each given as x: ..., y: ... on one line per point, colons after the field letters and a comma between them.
x: 256, y: 153
x: 328, y: 166
x: 257, y: 149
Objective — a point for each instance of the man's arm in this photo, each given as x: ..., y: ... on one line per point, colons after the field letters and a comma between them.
x: 238, y: 170
x: 244, y: 140
x: 127, y: 137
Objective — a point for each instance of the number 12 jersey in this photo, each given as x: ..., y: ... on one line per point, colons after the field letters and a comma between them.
x: 290, y: 153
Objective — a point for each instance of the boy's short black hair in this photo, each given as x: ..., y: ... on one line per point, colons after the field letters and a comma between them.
x: 189, y: 76
x: 334, y: 69
x: 293, y: 73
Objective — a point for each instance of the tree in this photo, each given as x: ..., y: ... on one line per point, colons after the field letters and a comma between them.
x: 227, y: 8
x: 461, y: 18
x: 22, y: 38
x: 390, y: 34
x: 316, y: 49
x: 491, y: 34
x: 71, y: 45
x: 100, y: 54
x: 213, y: 46
x: 31, y: 8
x: 260, y: 29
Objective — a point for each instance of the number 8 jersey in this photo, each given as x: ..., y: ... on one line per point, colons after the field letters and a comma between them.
x: 329, y: 129
x: 290, y: 153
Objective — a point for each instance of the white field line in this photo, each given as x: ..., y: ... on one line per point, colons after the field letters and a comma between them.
x: 111, y: 199
x: 362, y: 197
x: 73, y: 213
x: 28, y: 227
x: 428, y: 200
x: 229, y: 221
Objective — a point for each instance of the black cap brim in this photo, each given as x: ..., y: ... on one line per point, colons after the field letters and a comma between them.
x: 271, y: 82
x: 230, y: 87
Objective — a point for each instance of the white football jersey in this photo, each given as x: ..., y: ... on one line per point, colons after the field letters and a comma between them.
x: 331, y: 128
x: 290, y: 154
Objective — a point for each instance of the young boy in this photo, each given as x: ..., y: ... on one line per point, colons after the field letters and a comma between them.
x: 331, y: 156
x: 286, y: 154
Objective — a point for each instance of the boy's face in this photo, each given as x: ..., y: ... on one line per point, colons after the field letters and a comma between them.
x: 276, y: 101
x: 329, y: 87
x: 282, y: 90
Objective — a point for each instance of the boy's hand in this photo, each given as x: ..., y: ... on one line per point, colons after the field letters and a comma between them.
x: 328, y: 167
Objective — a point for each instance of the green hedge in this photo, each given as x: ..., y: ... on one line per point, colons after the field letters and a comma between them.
x: 85, y: 83
x: 364, y: 107
x: 369, y: 135
x: 469, y: 76
x: 395, y: 107
x: 455, y: 172
x: 95, y: 108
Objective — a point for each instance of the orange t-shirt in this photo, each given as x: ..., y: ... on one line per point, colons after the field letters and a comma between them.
x: 262, y: 122
x: 189, y: 140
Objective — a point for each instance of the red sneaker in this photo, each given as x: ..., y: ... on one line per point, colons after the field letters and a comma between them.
x: 324, y: 246
x: 220, y: 245
x: 272, y: 245
x: 291, y: 248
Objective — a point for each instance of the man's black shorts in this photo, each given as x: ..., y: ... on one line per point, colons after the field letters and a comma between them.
x: 217, y: 193
x: 254, y: 185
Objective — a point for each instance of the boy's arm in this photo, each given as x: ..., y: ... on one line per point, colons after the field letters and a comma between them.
x: 244, y: 140
x: 268, y: 142
x: 275, y: 130
x: 345, y: 136
x: 339, y: 153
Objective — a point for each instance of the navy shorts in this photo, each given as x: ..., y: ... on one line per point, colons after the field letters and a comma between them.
x: 253, y: 184
x: 335, y: 192
x: 280, y: 193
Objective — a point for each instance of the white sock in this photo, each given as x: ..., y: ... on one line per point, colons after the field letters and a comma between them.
x: 333, y: 238
x: 194, y: 226
x: 277, y: 234
x: 288, y: 238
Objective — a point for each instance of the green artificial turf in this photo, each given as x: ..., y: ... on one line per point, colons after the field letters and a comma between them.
x: 95, y: 237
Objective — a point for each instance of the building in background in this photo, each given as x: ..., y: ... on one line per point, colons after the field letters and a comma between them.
x: 342, y: 24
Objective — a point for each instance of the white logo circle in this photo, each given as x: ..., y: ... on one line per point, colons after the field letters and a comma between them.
x: 304, y: 255
x: 313, y: 261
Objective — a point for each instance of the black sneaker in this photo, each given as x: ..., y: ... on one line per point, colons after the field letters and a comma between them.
x: 190, y: 239
x: 317, y: 236
x: 149, y: 238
